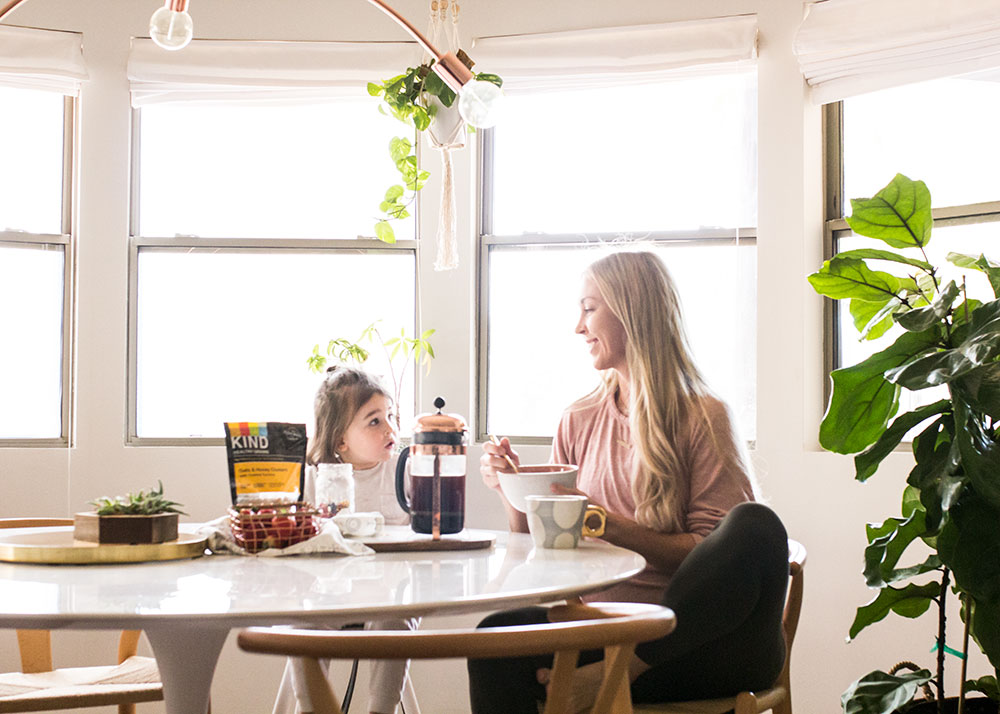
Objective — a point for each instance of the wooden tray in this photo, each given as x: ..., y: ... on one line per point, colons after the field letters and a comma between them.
x: 56, y: 546
x: 402, y: 538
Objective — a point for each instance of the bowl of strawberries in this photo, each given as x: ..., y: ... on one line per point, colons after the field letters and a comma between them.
x: 263, y: 525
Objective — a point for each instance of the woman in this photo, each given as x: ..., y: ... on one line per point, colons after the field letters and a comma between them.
x: 658, y: 451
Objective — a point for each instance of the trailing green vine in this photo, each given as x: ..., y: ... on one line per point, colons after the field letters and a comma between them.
x: 405, y: 97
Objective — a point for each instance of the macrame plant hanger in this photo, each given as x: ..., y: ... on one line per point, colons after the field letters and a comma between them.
x: 446, y: 133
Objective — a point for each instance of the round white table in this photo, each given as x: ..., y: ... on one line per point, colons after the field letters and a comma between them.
x: 187, y: 607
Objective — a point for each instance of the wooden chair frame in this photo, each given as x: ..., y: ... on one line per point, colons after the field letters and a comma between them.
x: 779, y: 697
x: 616, y: 627
x: 35, y: 647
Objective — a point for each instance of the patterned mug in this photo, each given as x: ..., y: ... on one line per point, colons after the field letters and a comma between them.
x: 558, y: 521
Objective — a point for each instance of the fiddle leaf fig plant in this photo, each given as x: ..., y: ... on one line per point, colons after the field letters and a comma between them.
x: 401, y: 349
x: 407, y: 97
x: 939, y: 336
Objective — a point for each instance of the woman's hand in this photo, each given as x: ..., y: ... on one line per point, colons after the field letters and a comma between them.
x: 490, y: 463
x: 493, y: 460
x: 560, y: 490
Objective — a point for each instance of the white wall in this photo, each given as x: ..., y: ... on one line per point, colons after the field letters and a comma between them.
x: 812, y: 491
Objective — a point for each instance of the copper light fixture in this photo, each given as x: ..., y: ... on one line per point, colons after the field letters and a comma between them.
x: 171, y: 27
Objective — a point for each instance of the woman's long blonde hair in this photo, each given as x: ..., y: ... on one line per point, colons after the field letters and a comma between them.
x: 666, y: 388
x: 343, y: 392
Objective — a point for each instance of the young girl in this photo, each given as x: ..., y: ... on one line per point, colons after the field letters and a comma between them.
x: 354, y: 425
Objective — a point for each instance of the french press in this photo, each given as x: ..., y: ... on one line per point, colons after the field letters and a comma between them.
x: 437, y: 473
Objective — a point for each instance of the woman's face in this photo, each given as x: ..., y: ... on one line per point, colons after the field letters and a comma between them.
x: 371, y: 437
x: 604, y: 333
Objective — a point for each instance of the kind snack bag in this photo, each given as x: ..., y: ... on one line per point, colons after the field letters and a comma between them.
x: 266, y: 461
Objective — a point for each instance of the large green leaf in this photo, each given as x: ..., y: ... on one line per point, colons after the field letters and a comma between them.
x: 920, y: 319
x: 980, y: 389
x: 936, y: 473
x: 862, y: 401
x: 851, y: 278
x: 872, y: 319
x: 887, y: 541
x: 876, y: 254
x: 980, y: 454
x: 931, y: 370
x: 909, y: 601
x: 985, y: 320
x: 986, y: 630
x: 899, y: 214
x: 983, y: 264
x: 980, y: 345
x: 881, y: 693
x: 866, y: 463
x: 969, y: 544
x: 987, y: 685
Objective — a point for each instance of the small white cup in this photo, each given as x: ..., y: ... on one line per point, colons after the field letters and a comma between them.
x: 558, y: 521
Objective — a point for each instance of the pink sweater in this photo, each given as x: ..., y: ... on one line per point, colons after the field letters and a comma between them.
x: 595, y: 436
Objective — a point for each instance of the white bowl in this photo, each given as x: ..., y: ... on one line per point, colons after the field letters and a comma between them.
x: 535, y: 481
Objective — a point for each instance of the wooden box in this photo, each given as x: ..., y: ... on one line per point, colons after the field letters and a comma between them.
x: 125, y: 529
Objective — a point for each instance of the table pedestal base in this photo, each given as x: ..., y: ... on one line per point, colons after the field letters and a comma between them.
x: 186, y: 657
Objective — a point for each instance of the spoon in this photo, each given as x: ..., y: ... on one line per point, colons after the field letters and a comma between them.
x: 507, y: 458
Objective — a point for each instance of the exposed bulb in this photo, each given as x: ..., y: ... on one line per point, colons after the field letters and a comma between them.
x: 171, y: 29
x: 480, y: 103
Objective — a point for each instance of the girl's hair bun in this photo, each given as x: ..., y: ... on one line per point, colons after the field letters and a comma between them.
x: 332, y: 368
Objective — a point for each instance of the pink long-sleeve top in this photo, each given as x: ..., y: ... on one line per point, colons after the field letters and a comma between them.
x: 595, y: 435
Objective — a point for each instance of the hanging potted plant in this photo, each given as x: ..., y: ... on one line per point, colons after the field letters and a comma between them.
x: 421, y: 99
x: 940, y: 336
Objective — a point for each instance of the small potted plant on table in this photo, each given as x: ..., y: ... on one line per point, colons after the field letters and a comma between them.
x: 130, y: 519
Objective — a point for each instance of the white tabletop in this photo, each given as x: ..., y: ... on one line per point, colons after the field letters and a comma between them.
x: 182, y: 602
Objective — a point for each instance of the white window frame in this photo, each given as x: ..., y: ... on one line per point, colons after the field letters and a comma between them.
x: 67, y: 241
x: 487, y: 240
x: 300, y: 245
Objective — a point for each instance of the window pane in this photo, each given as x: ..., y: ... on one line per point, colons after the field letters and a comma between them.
x: 224, y: 335
x: 32, y: 160
x: 303, y: 171
x: 941, y: 132
x: 538, y: 365
x: 975, y: 239
x: 630, y: 158
x: 31, y: 291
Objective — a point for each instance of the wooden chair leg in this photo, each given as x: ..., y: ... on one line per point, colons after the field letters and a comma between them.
x: 614, y: 687
x: 561, y: 682
x: 128, y: 644
x: 36, y: 650
x: 319, y: 689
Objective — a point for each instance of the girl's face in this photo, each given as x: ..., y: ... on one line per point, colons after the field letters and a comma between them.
x: 604, y: 333
x: 371, y: 436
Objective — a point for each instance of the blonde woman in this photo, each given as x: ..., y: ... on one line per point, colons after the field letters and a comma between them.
x: 659, y: 452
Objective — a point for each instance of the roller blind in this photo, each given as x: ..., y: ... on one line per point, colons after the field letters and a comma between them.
x: 849, y: 47
x: 41, y: 59
x: 616, y: 55
x: 217, y: 70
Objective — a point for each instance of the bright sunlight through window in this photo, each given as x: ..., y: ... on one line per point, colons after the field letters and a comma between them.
x: 32, y: 264
x: 675, y: 171
x: 227, y: 311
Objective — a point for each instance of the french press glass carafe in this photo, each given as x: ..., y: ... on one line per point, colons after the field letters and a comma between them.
x: 437, y: 474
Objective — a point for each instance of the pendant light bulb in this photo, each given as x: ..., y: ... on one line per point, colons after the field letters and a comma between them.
x: 171, y: 26
x: 480, y: 103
